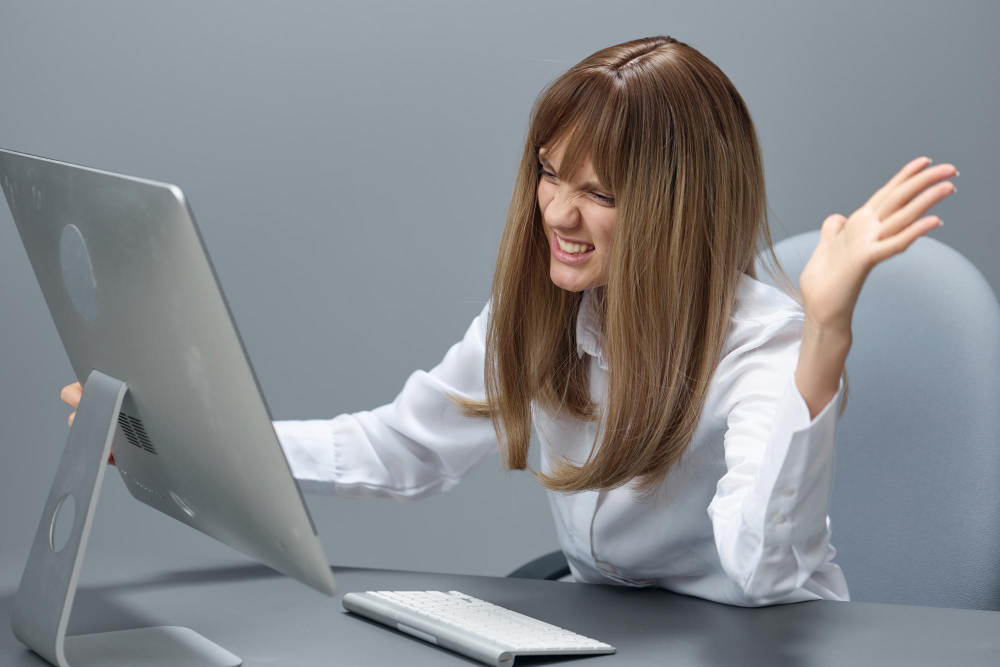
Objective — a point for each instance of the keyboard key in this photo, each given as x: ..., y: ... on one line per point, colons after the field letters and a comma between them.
x: 456, y: 614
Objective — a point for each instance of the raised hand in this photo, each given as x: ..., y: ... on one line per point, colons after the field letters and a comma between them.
x: 886, y: 225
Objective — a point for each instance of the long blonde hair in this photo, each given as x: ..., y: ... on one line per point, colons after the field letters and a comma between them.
x: 669, y: 135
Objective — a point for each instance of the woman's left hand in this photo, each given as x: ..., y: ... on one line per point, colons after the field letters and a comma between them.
x: 849, y: 248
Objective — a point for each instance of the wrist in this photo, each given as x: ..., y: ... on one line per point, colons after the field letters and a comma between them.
x: 827, y: 335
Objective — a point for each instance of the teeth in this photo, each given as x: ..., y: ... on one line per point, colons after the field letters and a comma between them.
x: 573, y: 247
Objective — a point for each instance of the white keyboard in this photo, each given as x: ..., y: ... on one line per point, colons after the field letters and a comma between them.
x: 475, y: 628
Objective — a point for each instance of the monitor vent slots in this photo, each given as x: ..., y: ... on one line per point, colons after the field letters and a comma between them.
x: 134, y: 431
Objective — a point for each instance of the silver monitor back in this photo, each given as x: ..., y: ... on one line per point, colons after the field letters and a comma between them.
x: 133, y: 294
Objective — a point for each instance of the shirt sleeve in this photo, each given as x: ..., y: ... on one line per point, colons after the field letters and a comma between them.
x: 770, y: 510
x: 418, y: 444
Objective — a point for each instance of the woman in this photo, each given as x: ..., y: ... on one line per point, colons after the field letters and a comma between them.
x: 686, y: 410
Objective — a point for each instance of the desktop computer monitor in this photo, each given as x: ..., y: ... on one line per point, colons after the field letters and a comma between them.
x: 140, y: 312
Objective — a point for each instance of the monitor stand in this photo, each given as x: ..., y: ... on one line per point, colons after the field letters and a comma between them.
x: 48, y: 585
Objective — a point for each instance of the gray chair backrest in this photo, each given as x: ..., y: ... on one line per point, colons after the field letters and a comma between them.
x: 915, y: 514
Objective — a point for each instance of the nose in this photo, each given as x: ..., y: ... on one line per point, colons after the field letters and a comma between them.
x: 562, y: 210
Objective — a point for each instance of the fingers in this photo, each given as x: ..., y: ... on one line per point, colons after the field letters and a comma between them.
x: 906, y: 215
x: 901, y: 241
x: 911, y: 167
x: 71, y: 394
x: 831, y: 226
x: 909, y: 188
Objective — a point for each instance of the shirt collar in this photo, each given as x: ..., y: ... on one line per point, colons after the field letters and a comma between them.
x: 589, y: 336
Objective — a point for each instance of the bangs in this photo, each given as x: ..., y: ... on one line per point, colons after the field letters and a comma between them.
x: 587, y: 114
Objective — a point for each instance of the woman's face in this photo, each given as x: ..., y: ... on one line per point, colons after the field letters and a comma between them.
x: 582, y: 215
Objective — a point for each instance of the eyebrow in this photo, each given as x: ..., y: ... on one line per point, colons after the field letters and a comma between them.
x: 588, y: 185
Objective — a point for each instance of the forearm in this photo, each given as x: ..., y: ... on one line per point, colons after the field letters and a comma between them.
x: 821, y: 361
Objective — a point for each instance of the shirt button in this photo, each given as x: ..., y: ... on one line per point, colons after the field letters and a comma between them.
x: 779, y: 519
x: 788, y: 492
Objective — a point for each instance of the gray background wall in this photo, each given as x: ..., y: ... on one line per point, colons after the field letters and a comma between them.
x: 350, y: 164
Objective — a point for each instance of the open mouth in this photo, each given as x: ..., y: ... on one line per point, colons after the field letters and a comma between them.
x: 570, y: 253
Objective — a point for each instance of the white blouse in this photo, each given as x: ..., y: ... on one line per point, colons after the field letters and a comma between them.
x: 741, y: 520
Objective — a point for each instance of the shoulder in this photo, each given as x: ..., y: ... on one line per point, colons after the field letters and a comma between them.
x: 763, y: 316
x: 762, y: 349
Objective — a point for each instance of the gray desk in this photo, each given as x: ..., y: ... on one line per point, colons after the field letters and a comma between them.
x: 268, y: 619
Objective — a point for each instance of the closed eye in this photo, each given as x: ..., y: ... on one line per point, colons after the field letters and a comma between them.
x: 610, y: 201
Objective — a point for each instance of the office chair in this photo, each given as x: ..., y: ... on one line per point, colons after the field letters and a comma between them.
x: 915, y: 513
x: 551, y: 566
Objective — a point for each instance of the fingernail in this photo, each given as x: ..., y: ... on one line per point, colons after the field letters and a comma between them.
x: 940, y: 222
x: 957, y: 173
